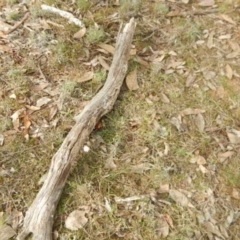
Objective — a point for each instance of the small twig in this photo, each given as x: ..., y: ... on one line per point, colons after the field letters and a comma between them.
x: 204, y: 12
x: 26, y: 16
x: 64, y: 14
x: 191, y: 13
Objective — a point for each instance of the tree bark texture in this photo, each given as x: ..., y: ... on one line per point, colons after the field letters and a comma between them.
x: 40, y: 215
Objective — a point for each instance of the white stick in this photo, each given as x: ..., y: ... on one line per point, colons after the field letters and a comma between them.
x: 64, y: 14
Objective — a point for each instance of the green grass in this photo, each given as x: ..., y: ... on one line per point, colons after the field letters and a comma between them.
x: 95, y: 35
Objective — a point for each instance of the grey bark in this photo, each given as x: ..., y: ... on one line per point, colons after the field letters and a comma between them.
x: 40, y: 215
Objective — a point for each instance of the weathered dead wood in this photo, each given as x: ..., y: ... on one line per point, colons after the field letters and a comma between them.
x: 39, y: 217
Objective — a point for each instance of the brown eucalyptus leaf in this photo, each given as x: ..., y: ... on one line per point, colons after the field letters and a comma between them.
x: 232, y: 54
x: 209, y: 75
x: 206, y: 3
x: 141, y: 167
x: 1, y: 139
x: 223, y: 156
x: 162, y: 227
x: 229, y: 72
x: 200, y: 160
x: 141, y: 61
x: 210, y: 43
x: 178, y: 197
x: 86, y: 77
x: 76, y: 220
x: 103, y: 63
x: 4, y: 26
x: 200, y: 122
x: 15, y: 118
x: 227, y: 19
x: 202, y: 169
x: 233, y: 136
x: 44, y: 24
x: 43, y: 101
x: 79, y: 34
x: 191, y: 111
x: 164, y: 98
x: 236, y: 194
x: 6, y: 232
x: 5, y: 48
x: 177, y: 122
x: 190, y: 80
x: 131, y: 80
x: 220, y: 91
x: 110, y: 164
x: 234, y: 46
x: 211, y: 228
x: 14, y: 219
x: 164, y: 188
x: 107, y: 47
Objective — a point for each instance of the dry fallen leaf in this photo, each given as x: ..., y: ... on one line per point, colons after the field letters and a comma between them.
x: 177, y: 122
x: 76, y: 220
x: 5, y: 48
x: 109, y: 164
x: 209, y: 75
x: 178, y: 197
x: 1, y: 139
x: 223, y: 156
x: 130, y: 199
x: 4, y: 26
x: 236, y: 194
x: 206, y: 3
x: 44, y: 24
x: 234, y: 46
x: 26, y: 122
x: 43, y: 101
x: 220, y: 91
x: 190, y: 80
x: 233, y: 136
x: 164, y: 98
x: 131, y: 80
x: 202, y: 169
x: 141, y: 61
x: 233, y: 54
x: 162, y: 227
x: 107, y: 47
x: 107, y: 205
x: 191, y: 111
x: 80, y: 33
x: 14, y: 219
x: 210, y: 43
x: 200, y: 160
x: 169, y: 220
x: 229, y: 72
x: 227, y: 19
x: 86, y: 77
x: 163, y: 188
x: 15, y: 118
x: 141, y: 167
x: 200, y: 122
x: 6, y: 232
x: 103, y: 63
x: 211, y: 228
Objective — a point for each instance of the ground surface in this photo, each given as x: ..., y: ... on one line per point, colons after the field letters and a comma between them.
x: 165, y: 161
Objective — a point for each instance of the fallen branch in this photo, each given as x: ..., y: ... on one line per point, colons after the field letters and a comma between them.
x: 64, y: 14
x: 40, y: 215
